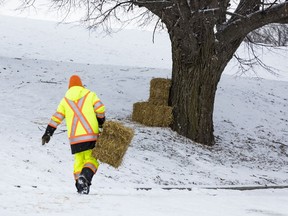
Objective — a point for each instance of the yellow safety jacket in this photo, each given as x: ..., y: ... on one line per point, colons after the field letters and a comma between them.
x: 81, y: 108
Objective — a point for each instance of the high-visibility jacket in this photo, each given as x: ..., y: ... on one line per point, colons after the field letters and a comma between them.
x: 81, y: 108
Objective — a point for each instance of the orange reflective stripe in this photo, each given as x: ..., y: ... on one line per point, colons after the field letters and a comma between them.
x: 78, y: 116
x: 75, y: 119
x: 54, y: 124
x: 100, y: 115
x: 80, y: 102
x: 98, y: 104
x: 83, y: 138
x: 91, y: 166
x: 59, y: 116
x: 88, y: 126
x: 76, y: 175
x: 74, y: 126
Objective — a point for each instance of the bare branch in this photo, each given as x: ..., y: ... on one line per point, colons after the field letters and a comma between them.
x: 153, y: 2
x: 271, y: 4
x: 255, y: 60
x: 250, y: 64
x: 155, y: 29
x: 242, y: 26
x: 271, y: 35
x: 235, y: 14
x: 26, y: 4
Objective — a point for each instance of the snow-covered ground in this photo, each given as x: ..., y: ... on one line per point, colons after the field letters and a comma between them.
x: 251, y: 128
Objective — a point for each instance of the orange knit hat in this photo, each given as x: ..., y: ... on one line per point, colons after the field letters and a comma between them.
x: 75, y: 81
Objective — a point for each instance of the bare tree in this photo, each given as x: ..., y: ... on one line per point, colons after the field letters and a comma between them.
x: 204, y: 37
x: 273, y: 34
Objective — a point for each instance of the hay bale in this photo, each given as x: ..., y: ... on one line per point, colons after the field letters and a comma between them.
x: 159, y: 91
x: 113, y: 143
x: 152, y: 115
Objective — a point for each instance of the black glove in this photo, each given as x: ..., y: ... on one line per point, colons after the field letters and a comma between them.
x: 45, y: 138
x: 100, y: 124
x: 48, y: 133
x: 101, y: 121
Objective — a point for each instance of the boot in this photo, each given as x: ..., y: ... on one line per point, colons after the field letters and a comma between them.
x: 78, y: 186
x: 88, y: 174
x: 82, y: 185
x: 84, y: 181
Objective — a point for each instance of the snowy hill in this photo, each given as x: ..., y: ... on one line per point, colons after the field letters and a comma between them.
x: 251, y: 126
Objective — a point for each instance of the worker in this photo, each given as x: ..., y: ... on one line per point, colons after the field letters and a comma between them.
x: 85, y: 115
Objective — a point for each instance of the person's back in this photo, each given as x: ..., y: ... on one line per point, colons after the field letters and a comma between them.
x: 84, y: 114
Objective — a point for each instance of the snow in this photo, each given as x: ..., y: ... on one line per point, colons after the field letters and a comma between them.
x: 250, y: 119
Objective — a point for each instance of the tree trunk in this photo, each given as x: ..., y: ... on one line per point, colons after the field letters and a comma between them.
x: 203, y: 41
x: 195, y: 74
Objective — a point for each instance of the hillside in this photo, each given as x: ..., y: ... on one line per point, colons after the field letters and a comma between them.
x: 250, y: 120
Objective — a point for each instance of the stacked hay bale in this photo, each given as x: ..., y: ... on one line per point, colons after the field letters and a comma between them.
x: 113, y: 143
x: 152, y: 115
x: 156, y: 111
x: 159, y: 91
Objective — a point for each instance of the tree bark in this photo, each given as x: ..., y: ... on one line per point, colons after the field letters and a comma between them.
x: 203, y: 41
x: 196, y: 71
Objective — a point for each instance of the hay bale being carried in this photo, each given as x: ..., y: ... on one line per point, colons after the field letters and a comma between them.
x: 152, y: 115
x: 113, y: 143
x: 159, y: 91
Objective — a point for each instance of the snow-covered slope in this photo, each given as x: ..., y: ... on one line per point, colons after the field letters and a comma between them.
x: 45, y: 40
x: 37, y: 59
